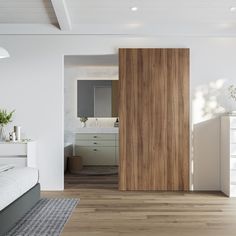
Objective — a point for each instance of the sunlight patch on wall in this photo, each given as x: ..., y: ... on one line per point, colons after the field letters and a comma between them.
x: 207, y: 101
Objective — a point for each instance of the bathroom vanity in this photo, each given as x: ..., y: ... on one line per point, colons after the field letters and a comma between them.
x: 97, y: 146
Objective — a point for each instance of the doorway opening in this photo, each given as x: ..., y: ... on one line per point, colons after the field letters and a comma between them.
x: 91, y: 132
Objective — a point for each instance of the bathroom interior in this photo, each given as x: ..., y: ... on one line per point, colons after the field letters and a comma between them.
x: 91, y: 124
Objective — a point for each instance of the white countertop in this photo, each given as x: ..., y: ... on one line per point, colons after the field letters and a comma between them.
x: 17, y: 142
x: 92, y: 130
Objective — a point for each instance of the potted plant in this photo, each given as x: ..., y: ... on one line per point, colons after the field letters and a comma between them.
x: 5, y: 119
x: 83, y: 121
x: 232, y: 94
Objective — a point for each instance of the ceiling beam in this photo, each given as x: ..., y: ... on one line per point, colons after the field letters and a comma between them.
x: 151, y: 30
x: 62, y: 14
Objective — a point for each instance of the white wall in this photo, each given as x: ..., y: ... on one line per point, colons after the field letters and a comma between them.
x: 31, y: 81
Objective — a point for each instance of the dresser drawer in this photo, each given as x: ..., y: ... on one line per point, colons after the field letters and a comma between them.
x: 16, y: 162
x: 96, y: 155
x: 13, y: 149
x: 233, y: 176
x: 233, y: 136
x: 232, y: 190
x: 95, y: 137
x: 233, y: 149
x: 96, y: 143
x: 233, y: 122
x: 233, y: 163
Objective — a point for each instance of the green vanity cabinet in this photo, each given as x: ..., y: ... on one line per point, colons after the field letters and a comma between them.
x: 97, y: 149
x: 117, y: 149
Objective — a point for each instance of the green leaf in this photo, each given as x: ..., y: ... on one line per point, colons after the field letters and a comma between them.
x: 5, y: 117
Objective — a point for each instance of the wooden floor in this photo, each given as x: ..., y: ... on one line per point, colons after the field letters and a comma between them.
x: 105, y: 211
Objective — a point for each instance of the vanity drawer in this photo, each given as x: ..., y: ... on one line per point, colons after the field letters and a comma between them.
x: 117, y: 140
x: 96, y: 155
x: 96, y: 143
x: 117, y: 143
x: 117, y: 155
x: 13, y: 149
x: 95, y: 136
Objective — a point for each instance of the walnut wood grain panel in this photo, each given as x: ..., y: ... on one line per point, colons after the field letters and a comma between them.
x: 154, y: 119
x: 178, y: 120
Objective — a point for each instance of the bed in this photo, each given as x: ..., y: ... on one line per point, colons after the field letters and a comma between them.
x: 19, y: 192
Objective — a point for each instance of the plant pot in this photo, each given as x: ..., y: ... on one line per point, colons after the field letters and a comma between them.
x: 2, y: 133
x: 83, y: 124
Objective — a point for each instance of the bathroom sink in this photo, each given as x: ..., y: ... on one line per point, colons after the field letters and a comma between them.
x: 98, y: 130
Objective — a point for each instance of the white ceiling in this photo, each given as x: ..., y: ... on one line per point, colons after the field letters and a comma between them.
x: 151, y: 11
x: 27, y: 12
x: 153, y: 17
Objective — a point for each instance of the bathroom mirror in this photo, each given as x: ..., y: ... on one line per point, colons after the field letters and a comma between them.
x: 97, y: 98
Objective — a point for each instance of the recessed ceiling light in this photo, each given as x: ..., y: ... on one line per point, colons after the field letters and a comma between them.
x: 134, y: 8
x: 233, y: 9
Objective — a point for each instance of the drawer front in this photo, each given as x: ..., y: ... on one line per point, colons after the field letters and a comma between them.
x: 17, y: 162
x: 95, y: 136
x: 96, y: 155
x: 233, y: 149
x: 117, y: 156
x: 233, y: 136
x: 233, y: 176
x: 117, y: 143
x: 233, y: 122
x: 232, y: 190
x: 96, y: 143
x: 13, y: 149
x: 233, y: 163
x: 117, y: 140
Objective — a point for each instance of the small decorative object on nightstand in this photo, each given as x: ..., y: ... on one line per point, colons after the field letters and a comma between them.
x: 17, y: 131
x: 12, y: 137
x: 5, y: 119
x: 232, y: 95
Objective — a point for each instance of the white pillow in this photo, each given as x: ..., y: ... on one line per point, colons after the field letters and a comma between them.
x: 5, y: 167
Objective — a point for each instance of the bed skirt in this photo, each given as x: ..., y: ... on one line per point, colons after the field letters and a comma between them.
x: 14, y: 212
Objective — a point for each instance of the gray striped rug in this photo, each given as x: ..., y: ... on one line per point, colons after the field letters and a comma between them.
x: 46, y: 218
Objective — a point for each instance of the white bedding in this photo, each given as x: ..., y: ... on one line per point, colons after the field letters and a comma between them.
x: 15, y: 182
x: 5, y: 167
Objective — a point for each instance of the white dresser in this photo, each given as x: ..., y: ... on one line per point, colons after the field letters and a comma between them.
x: 18, y: 154
x: 228, y: 155
x: 97, y: 148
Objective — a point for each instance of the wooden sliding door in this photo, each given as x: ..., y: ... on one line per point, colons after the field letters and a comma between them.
x: 154, y: 119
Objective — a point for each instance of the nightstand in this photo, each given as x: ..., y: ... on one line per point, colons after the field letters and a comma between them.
x: 19, y: 154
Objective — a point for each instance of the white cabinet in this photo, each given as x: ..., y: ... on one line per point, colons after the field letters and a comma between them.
x: 97, y: 148
x: 228, y: 155
x: 18, y: 154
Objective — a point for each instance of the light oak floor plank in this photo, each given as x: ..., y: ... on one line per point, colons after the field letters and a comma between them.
x: 105, y: 211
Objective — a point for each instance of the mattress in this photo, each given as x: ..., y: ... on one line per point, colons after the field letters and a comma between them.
x: 15, y: 182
